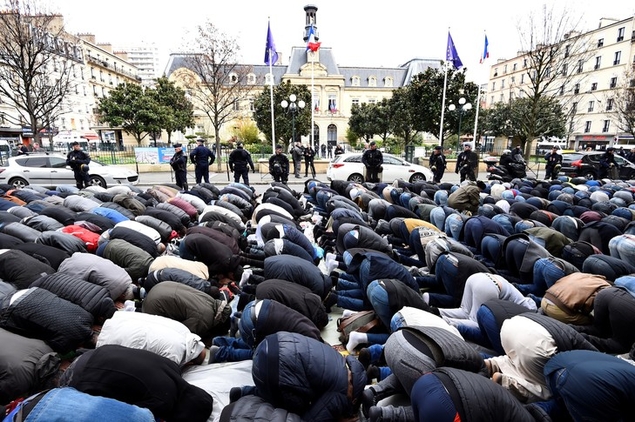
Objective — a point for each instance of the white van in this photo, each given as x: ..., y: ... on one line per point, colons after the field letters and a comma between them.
x: 546, y: 145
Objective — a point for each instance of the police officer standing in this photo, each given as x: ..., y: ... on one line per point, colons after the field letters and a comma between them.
x: 179, y: 165
x: 466, y: 163
x: 279, y: 166
x: 78, y: 160
x: 202, y: 157
x: 239, y: 163
x: 372, y: 159
x: 438, y: 163
x: 553, y: 160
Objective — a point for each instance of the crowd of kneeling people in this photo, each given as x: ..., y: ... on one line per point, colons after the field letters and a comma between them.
x: 493, y: 302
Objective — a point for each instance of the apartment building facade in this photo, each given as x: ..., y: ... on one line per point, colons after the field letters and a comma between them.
x: 93, y: 70
x: 589, y: 87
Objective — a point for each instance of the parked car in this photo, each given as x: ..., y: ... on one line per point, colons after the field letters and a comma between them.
x: 51, y: 170
x: 349, y: 167
x: 587, y: 164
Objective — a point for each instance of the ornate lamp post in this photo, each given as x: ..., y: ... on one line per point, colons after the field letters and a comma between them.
x: 463, y: 107
x: 293, y: 107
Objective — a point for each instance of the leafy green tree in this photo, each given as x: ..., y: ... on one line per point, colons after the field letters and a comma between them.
x: 179, y: 111
x: 130, y: 107
x: 518, y: 120
x: 362, y: 120
x: 283, y: 119
x: 427, y: 94
x: 383, y: 119
x: 403, y: 116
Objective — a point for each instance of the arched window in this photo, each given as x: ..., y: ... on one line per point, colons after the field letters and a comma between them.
x: 251, y: 79
x: 372, y: 81
x: 331, y: 134
x: 355, y: 81
x: 388, y: 81
x: 233, y: 78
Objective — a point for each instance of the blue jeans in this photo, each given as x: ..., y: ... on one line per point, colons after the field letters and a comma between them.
x: 68, y: 403
x: 623, y: 247
x: 453, y: 225
x: 378, y: 297
x: 231, y: 350
x: 415, y: 244
x: 446, y: 271
x: 546, y: 272
x: 489, y: 329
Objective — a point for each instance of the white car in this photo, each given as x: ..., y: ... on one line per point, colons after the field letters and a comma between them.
x: 349, y: 167
x: 51, y: 170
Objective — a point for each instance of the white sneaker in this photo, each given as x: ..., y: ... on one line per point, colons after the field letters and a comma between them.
x: 244, y: 279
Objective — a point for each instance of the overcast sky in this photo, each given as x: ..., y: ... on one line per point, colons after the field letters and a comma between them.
x: 361, y: 33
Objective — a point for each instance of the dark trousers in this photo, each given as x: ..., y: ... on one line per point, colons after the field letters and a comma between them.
x: 372, y: 174
x: 297, y: 166
x: 241, y: 173
x: 181, y: 178
x: 82, y: 179
x: 281, y: 177
x: 201, y: 173
x: 308, y: 164
x: 467, y: 173
x: 438, y: 175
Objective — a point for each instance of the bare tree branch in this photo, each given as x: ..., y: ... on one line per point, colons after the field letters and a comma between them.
x: 217, y: 83
x: 36, y: 64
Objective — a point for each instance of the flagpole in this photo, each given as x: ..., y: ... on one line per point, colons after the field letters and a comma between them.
x: 445, y: 84
x: 478, y: 106
x: 273, y: 119
x: 312, y: 101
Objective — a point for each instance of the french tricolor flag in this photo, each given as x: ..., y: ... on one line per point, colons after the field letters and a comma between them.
x: 311, y: 43
x: 485, y: 50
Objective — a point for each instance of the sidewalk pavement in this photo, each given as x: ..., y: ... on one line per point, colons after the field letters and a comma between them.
x: 161, y: 177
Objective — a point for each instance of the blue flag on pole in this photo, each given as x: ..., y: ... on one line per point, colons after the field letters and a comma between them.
x: 271, y: 55
x: 451, y: 55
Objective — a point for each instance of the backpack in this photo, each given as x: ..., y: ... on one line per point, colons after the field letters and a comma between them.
x: 362, y: 322
x: 575, y: 293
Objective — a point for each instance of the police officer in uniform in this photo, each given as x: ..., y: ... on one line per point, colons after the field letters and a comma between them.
x: 179, y: 165
x: 239, y: 163
x: 202, y: 157
x: 279, y: 166
x: 438, y: 163
x: 78, y: 160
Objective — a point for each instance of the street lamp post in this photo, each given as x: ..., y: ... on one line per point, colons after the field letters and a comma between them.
x: 293, y: 108
x: 463, y: 107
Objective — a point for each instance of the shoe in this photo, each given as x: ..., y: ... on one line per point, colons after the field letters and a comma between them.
x: 364, y: 356
x: 372, y: 373
x: 235, y: 394
x: 212, y: 353
x: 330, y: 301
x: 368, y: 401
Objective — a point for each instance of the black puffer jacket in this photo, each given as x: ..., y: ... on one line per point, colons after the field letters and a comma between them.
x: 64, y: 241
x: 565, y: 337
x: 218, y: 257
x: 163, y: 228
x: 295, y: 296
x: 298, y: 270
x: 38, y: 313
x: 21, y: 231
x: 25, y: 365
x: 21, y: 269
x: 183, y: 277
x: 306, y: 377
x: 135, y: 238
x: 252, y: 408
x: 91, y: 297
x: 48, y: 255
x: 478, y: 399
